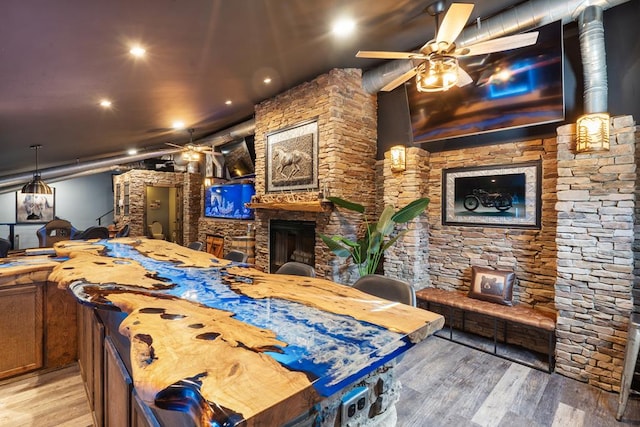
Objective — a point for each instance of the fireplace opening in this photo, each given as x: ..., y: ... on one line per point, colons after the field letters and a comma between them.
x: 291, y: 241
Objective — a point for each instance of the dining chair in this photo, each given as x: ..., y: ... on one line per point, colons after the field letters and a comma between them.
x: 123, y: 232
x: 5, y: 245
x: 388, y: 288
x: 93, y: 232
x: 296, y: 269
x: 196, y: 246
x: 237, y: 256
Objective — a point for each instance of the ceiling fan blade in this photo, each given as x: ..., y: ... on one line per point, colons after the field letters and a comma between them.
x: 174, y: 145
x: 399, y: 80
x: 499, y: 44
x: 389, y: 55
x: 463, y: 78
x: 454, y: 21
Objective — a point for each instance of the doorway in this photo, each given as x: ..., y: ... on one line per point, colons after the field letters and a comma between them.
x: 164, y: 205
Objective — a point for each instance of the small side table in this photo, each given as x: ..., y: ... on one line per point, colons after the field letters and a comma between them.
x: 630, y: 358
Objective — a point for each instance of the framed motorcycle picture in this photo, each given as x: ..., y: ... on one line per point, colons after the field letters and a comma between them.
x: 493, y: 196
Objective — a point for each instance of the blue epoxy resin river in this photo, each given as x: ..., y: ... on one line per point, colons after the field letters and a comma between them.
x: 334, y: 349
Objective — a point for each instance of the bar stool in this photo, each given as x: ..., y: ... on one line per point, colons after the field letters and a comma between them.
x: 630, y: 358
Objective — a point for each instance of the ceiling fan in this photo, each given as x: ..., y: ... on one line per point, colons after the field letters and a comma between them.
x: 191, y: 152
x: 436, y: 62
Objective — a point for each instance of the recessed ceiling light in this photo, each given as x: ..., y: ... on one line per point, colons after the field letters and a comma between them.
x: 105, y: 103
x: 267, y: 80
x: 137, y: 51
x: 132, y: 151
x: 343, y: 27
x: 177, y: 125
x: 228, y: 102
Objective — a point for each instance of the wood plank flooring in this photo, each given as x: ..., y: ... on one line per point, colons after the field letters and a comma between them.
x: 447, y: 384
x: 55, y: 398
x: 443, y: 384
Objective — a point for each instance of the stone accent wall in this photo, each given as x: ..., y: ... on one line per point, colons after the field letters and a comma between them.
x: 347, y: 133
x: 138, y: 179
x: 453, y: 250
x: 596, y: 218
x: 226, y: 228
x: 408, y: 258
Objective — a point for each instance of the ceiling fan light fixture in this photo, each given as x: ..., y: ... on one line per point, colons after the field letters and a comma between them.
x: 191, y: 156
x: 437, y: 74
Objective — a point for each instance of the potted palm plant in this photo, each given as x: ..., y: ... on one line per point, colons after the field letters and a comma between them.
x: 368, y: 249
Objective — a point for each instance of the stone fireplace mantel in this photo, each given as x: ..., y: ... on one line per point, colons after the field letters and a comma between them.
x: 314, y: 206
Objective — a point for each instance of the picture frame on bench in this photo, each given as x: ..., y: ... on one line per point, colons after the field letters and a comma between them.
x: 492, y: 285
x: 493, y: 196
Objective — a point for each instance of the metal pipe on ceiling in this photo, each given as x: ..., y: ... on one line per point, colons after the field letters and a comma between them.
x: 10, y: 182
x: 522, y: 17
x: 14, y: 182
x: 594, y: 64
x: 238, y: 131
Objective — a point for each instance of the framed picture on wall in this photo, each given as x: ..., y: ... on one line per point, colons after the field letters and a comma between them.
x: 292, y: 158
x: 493, y: 196
x: 35, y: 208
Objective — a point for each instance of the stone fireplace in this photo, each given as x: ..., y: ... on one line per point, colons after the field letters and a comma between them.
x: 291, y: 241
x: 347, y: 132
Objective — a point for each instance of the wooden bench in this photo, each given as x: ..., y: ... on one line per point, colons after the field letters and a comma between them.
x: 519, y: 314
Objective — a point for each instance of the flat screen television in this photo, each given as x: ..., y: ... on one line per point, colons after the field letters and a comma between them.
x: 228, y: 201
x: 510, y: 89
x: 239, y: 157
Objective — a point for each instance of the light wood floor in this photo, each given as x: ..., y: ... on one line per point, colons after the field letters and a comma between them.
x: 443, y: 384
x: 55, y: 398
x: 447, y: 384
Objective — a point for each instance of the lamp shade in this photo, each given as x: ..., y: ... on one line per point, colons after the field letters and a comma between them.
x: 398, y: 158
x: 592, y: 133
x: 36, y: 186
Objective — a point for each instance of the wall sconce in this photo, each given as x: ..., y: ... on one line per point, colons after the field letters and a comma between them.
x: 398, y: 158
x: 592, y: 132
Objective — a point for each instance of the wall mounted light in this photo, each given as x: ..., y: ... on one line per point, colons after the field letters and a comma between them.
x: 592, y: 132
x: 36, y: 185
x: 398, y: 158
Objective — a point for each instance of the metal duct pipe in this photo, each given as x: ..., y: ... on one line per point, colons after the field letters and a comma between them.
x: 525, y: 16
x: 95, y: 166
x: 235, y: 132
x: 118, y: 168
x: 594, y: 64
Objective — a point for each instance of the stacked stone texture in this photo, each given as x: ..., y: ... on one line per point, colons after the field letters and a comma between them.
x: 225, y: 228
x: 531, y: 253
x: 347, y: 133
x: 408, y: 258
x: 596, y: 234
x: 139, y: 179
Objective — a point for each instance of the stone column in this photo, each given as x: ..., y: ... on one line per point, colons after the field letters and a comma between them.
x: 595, y: 236
x: 408, y: 258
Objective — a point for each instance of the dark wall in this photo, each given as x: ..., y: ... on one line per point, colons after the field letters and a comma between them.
x: 622, y: 42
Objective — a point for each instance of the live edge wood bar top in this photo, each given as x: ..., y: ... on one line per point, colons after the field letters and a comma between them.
x: 246, y: 346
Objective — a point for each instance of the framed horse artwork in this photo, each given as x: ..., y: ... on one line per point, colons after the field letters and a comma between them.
x: 292, y: 158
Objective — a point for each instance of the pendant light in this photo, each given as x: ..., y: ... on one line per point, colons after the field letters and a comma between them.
x: 36, y: 185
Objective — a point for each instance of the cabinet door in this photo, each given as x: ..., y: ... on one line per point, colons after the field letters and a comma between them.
x: 60, y: 332
x: 141, y: 414
x: 97, y: 331
x: 85, y: 349
x: 117, y: 388
x: 21, y: 329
